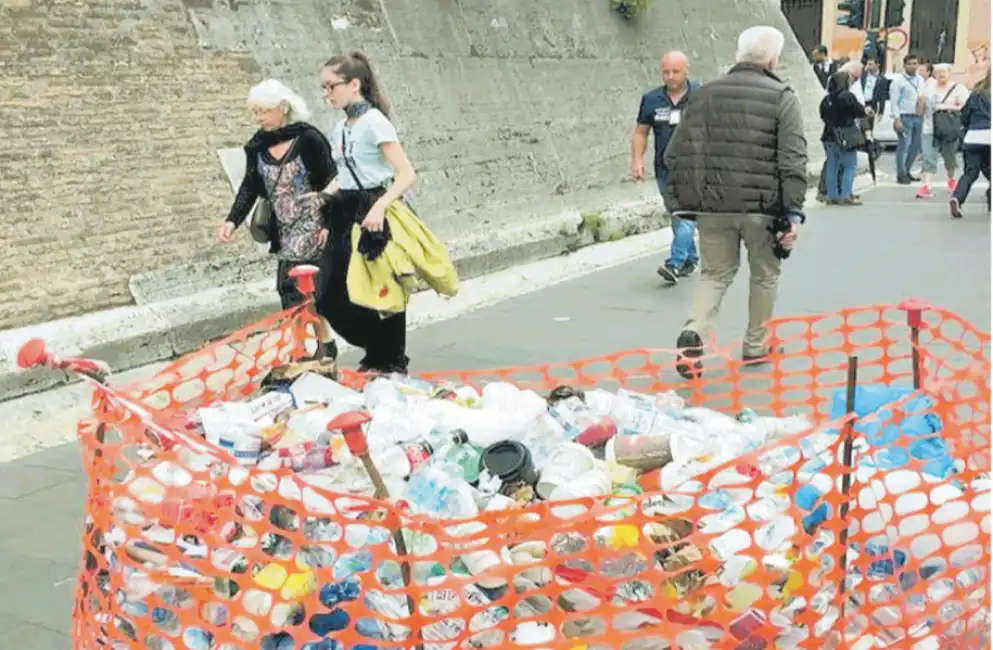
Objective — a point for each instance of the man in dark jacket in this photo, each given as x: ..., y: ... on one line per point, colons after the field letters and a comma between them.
x: 738, y: 163
x: 823, y: 65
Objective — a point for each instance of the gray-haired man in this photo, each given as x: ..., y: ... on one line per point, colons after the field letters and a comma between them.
x: 738, y: 165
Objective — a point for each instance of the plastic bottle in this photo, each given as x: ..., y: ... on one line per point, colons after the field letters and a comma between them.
x: 463, y: 455
x: 433, y: 488
x: 634, y: 413
x: 580, y: 423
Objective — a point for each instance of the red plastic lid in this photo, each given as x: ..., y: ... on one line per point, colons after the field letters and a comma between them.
x: 32, y: 353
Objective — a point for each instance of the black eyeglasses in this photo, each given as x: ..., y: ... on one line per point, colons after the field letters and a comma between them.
x: 328, y: 86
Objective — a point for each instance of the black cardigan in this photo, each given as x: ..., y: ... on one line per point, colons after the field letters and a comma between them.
x: 839, y: 110
x: 314, y: 149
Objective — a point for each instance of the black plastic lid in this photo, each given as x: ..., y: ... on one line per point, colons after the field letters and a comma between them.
x: 506, y: 459
x: 460, y: 437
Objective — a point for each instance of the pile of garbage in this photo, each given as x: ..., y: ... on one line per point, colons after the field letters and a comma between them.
x: 451, y: 453
x: 447, y: 450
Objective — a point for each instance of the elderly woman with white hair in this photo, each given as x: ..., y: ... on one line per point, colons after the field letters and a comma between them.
x: 940, y: 103
x: 285, y: 161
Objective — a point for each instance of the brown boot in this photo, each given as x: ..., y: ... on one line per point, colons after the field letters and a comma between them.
x: 851, y: 200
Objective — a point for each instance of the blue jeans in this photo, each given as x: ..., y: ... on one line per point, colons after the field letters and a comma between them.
x: 683, y: 250
x: 843, y: 163
x: 908, y: 145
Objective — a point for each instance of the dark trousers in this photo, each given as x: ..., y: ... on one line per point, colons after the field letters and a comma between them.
x: 822, y: 183
x: 382, y: 336
x: 977, y: 161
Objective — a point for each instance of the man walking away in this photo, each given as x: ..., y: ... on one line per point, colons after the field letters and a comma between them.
x: 660, y: 112
x: 738, y: 164
x: 824, y: 67
x: 904, y: 91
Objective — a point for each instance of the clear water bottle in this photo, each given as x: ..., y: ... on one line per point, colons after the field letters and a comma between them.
x: 435, y: 489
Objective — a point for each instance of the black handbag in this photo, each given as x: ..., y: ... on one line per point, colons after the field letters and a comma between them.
x: 947, y: 122
x: 849, y: 138
x: 262, y: 216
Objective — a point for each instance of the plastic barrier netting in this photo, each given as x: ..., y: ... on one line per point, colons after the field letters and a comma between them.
x: 865, y: 531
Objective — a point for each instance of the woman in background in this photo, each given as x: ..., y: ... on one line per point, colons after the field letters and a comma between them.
x: 285, y: 160
x: 975, y: 145
x: 839, y: 110
x: 374, y: 172
x: 941, y: 99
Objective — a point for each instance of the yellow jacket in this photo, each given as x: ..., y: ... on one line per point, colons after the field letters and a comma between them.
x: 412, y: 253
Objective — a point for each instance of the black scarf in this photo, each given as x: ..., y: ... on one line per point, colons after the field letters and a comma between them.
x: 264, y: 139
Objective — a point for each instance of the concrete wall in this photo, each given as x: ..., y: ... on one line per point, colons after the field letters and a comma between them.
x: 513, y: 111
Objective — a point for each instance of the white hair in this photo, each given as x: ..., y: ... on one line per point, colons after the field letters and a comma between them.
x: 942, y: 67
x: 271, y: 93
x: 761, y: 44
x: 851, y: 67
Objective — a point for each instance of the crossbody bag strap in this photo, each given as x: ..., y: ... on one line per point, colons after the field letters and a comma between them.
x: 348, y: 163
x: 949, y: 93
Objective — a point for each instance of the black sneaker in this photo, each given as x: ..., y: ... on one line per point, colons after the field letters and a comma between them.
x: 669, y: 273
x: 689, y: 268
x: 690, y: 347
x: 955, y: 208
x: 759, y: 359
x: 904, y: 180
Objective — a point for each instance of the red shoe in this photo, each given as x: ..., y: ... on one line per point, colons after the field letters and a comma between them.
x: 924, y: 192
x: 952, y: 184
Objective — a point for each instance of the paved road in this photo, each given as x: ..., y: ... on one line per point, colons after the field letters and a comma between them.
x: 889, y: 249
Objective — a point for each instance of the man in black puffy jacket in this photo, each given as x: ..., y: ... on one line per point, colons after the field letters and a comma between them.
x: 737, y: 163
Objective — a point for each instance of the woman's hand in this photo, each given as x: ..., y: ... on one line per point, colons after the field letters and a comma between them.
x: 374, y: 220
x: 225, y: 234
x: 322, y: 237
x: 314, y: 200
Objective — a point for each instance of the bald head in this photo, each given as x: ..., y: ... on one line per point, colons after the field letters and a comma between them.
x: 675, y: 66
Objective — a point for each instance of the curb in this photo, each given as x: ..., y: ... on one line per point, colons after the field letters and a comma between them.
x: 161, y: 330
x: 153, y: 331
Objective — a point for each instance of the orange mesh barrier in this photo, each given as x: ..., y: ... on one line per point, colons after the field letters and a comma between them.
x: 183, y: 548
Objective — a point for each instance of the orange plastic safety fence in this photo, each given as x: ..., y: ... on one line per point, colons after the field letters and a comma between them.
x: 184, y: 548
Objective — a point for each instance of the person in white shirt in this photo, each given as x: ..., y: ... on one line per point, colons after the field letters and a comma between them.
x: 940, y: 103
x: 904, y: 91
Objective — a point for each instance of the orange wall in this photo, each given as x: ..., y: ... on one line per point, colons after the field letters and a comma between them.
x: 968, y: 68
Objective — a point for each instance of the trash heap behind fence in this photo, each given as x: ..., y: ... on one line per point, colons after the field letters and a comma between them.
x: 862, y: 532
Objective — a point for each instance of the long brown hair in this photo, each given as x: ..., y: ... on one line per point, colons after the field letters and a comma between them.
x: 982, y: 86
x: 355, y: 65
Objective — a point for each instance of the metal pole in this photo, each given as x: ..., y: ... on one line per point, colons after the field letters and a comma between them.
x: 846, y: 480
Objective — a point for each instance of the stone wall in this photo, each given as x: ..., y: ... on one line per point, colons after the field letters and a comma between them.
x: 112, y: 112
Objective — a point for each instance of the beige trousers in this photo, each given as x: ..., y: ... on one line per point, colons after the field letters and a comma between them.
x: 721, y: 236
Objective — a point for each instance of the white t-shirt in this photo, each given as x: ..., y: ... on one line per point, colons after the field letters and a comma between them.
x: 935, y: 100
x: 362, y: 140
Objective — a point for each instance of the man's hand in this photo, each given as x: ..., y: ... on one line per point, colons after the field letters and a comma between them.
x: 322, y: 237
x: 898, y: 125
x: 788, y: 238
x: 637, y: 169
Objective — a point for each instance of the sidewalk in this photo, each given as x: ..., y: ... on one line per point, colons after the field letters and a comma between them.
x: 887, y: 250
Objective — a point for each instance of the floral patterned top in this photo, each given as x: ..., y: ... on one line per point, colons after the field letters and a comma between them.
x: 299, y: 223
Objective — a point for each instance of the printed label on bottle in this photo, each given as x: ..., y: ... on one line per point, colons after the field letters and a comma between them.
x: 417, y: 454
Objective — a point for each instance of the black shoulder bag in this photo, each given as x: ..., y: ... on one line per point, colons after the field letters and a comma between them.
x: 947, y: 122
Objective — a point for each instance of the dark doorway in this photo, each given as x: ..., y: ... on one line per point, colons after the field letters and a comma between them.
x: 804, y: 17
x: 932, y: 30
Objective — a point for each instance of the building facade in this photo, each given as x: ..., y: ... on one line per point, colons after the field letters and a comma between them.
x: 940, y: 31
